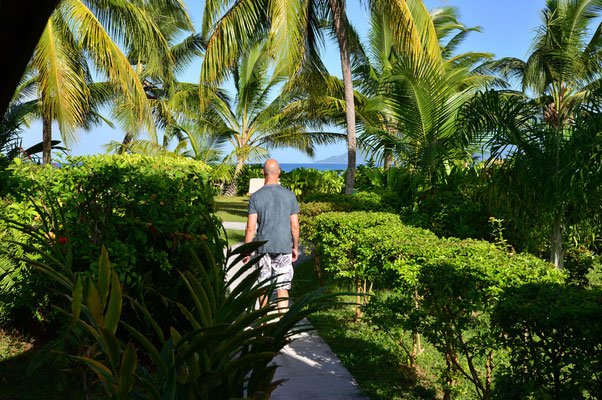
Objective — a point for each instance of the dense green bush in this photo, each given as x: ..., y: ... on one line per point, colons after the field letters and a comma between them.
x: 301, y: 181
x: 148, y: 212
x: 227, y: 334
x: 306, y: 181
x: 24, y: 297
x: 248, y: 171
x: 447, y: 288
x: 339, y: 240
x: 554, y: 336
x: 457, y: 288
x: 360, y: 201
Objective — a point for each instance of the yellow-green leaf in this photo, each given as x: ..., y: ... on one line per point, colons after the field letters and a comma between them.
x: 111, y: 347
x: 76, y: 301
x: 93, y: 303
x: 114, y: 308
x: 104, y: 276
x: 126, y: 370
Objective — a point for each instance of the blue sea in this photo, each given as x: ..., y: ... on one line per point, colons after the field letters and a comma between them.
x: 286, y: 167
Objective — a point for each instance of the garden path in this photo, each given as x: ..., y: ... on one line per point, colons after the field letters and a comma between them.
x: 309, y: 367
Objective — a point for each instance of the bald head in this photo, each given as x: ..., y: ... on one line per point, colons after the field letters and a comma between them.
x: 271, y: 168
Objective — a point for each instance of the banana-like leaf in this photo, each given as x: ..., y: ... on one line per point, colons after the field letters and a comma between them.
x: 148, y: 317
x: 127, y: 369
x: 76, y: 301
x: 110, y: 346
x: 104, y: 276
x: 93, y: 303
x: 113, y: 314
x: 149, y: 347
x: 104, y: 374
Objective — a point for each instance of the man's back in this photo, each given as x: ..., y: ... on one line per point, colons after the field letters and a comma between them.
x: 274, y: 205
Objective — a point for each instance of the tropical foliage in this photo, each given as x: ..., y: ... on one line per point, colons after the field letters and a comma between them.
x: 80, y: 37
x: 253, y: 122
x: 226, y: 336
x: 143, y: 210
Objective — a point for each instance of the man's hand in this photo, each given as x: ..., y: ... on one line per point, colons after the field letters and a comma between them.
x: 295, y: 255
x: 250, y: 232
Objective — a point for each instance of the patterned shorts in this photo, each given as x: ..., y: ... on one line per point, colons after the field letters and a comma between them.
x: 280, y: 264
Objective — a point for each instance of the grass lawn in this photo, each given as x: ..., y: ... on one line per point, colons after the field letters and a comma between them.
x: 29, y: 370
x: 232, y: 209
x: 235, y: 236
x: 373, y: 357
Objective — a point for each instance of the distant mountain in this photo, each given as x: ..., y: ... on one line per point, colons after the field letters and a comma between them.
x: 341, y: 159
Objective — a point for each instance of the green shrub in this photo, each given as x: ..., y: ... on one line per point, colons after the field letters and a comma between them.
x: 340, y: 242
x: 148, y: 213
x: 248, y: 171
x: 458, y: 286
x: 554, y: 337
x: 306, y: 181
x: 224, y: 350
x: 24, y: 294
x: 581, y: 266
x: 449, y: 286
x: 360, y: 201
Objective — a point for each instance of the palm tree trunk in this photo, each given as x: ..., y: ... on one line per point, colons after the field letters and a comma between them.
x: 340, y: 19
x: 232, y: 188
x: 388, y: 161
x: 46, y: 138
x: 127, y: 139
x: 556, y: 250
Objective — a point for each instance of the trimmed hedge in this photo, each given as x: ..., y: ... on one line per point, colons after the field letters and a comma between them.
x: 554, y: 336
x: 146, y: 211
x: 448, y: 287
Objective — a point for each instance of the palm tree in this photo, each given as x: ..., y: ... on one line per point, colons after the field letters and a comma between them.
x: 251, y: 121
x: 561, y: 71
x: 293, y: 28
x: 411, y: 102
x: 77, y: 34
x: 565, y: 60
x: 157, y: 76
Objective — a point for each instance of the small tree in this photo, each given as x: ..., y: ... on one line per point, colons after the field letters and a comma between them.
x: 549, y: 174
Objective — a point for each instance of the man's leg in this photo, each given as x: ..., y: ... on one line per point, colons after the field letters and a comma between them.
x: 265, y: 264
x: 263, y: 300
x: 282, y: 300
x: 282, y: 266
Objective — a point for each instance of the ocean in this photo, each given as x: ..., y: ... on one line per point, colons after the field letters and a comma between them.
x: 286, y: 167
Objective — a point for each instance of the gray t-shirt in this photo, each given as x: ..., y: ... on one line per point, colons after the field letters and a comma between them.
x: 274, y: 206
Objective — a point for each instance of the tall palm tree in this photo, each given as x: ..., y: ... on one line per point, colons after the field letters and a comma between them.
x: 562, y: 69
x: 176, y: 113
x: 158, y: 77
x: 293, y: 28
x: 411, y: 102
x: 252, y: 121
x: 565, y: 60
x: 79, y: 35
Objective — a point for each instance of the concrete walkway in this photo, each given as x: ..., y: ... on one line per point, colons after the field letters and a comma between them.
x: 312, y: 371
x: 240, y: 226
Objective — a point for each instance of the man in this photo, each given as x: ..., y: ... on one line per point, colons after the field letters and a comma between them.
x: 274, y: 211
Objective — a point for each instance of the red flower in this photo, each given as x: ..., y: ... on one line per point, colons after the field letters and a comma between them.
x: 153, y: 230
x: 62, y: 240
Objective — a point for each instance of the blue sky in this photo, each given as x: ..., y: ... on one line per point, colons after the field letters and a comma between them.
x: 507, y: 32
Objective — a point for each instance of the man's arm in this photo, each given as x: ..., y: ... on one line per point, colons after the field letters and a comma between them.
x: 250, y: 232
x: 295, y: 233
